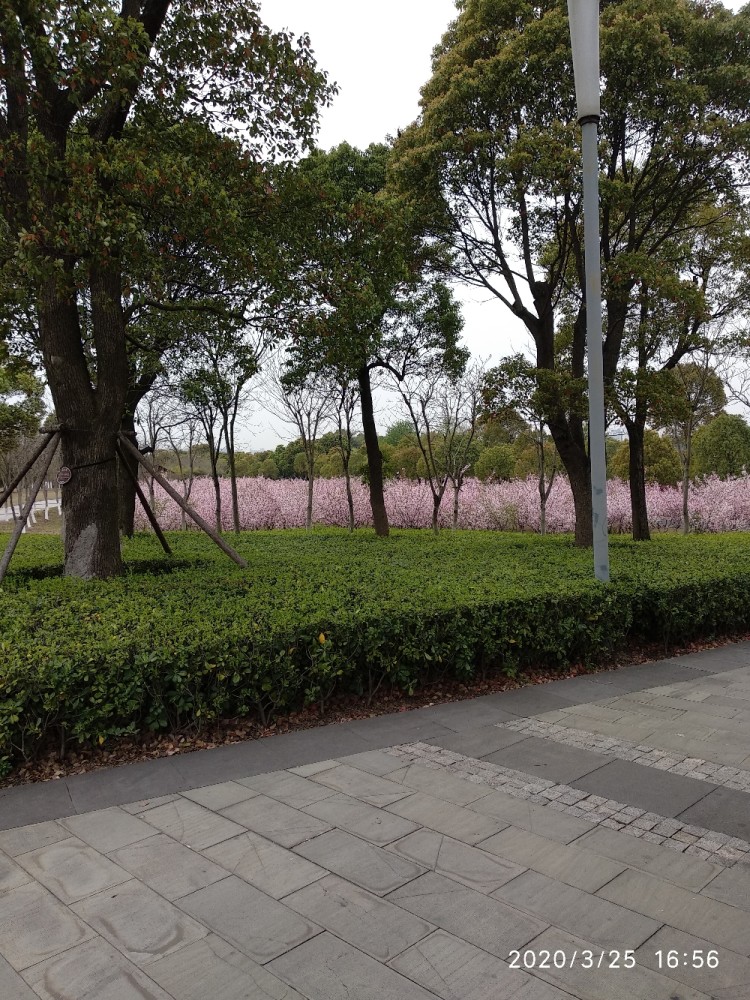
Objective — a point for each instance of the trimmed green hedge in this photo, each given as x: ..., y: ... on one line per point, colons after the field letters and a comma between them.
x: 196, y: 638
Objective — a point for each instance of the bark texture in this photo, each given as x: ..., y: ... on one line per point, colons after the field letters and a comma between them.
x: 374, y: 456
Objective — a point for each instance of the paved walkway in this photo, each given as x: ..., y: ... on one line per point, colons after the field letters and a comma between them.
x: 587, y: 838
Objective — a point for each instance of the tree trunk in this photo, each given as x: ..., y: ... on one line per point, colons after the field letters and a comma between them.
x: 310, y: 488
x: 456, y: 492
x: 349, y: 497
x: 90, y: 418
x: 374, y: 456
x: 686, y: 482
x: 576, y: 464
x: 637, y: 474
x: 229, y: 439
x: 435, y: 513
x: 125, y: 484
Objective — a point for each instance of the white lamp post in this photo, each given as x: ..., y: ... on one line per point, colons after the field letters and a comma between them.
x: 584, y: 34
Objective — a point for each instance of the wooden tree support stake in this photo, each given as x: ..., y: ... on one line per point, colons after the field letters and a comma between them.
x: 35, y: 455
x: 144, y: 502
x: 20, y: 523
x: 213, y: 535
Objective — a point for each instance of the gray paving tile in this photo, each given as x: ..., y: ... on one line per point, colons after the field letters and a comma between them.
x: 139, y: 923
x: 114, y: 786
x: 328, y: 969
x: 225, y: 793
x: 211, y: 969
x: 292, y: 789
x: 24, y: 805
x: 724, y: 810
x: 467, y: 865
x: 273, y: 869
x: 532, y: 700
x: 732, y: 970
x: 546, y: 822
x: 684, y: 910
x: 374, y: 761
x: 375, y: 926
x: 364, y: 864
x: 454, y: 821
x: 682, y: 869
x: 142, y: 805
x: 12, y: 987
x: 580, y: 913
x: 167, y: 867
x: 11, y: 875
x: 22, y: 839
x: 34, y: 926
x: 276, y: 821
x: 477, y: 742
x: 548, y: 759
x: 363, y: 820
x: 731, y: 885
x: 479, y: 919
x: 565, y: 862
x: 306, y: 770
x: 455, y: 970
x: 462, y: 715
x: 439, y: 781
x: 645, y: 787
x: 92, y: 971
x: 386, y: 730
x: 248, y: 919
x: 603, y: 983
x: 370, y: 788
x: 108, y: 829
x: 72, y: 870
x: 193, y: 825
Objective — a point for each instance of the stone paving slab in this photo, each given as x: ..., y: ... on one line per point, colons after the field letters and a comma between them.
x: 93, y: 969
x: 364, y: 864
x: 248, y: 919
x: 211, y: 969
x: 456, y: 970
x: 361, y: 861
x: 471, y: 867
x: 371, y: 924
x: 644, y: 787
x: 481, y: 920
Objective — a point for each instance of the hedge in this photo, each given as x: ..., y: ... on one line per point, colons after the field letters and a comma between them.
x: 173, y: 643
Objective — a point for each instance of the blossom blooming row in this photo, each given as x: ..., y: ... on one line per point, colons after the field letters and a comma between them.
x: 715, y: 505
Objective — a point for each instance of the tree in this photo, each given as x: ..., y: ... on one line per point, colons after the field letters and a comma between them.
x: 75, y: 176
x: 307, y: 402
x: 369, y: 299
x: 496, y: 462
x: 662, y: 465
x: 722, y: 447
x: 514, y: 389
x: 493, y: 164
x: 21, y: 400
x: 693, y: 395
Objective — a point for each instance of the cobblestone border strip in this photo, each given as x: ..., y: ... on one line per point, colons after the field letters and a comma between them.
x: 696, y: 841
x: 692, y: 767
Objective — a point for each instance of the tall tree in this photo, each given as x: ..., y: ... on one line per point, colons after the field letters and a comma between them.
x: 74, y: 78
x: 370, y: 297
x: 493, y: 163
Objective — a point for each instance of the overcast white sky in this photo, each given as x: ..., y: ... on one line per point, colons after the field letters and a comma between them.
x: 379, y: 55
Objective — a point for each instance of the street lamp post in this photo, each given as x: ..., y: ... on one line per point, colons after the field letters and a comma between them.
x: 584, y: 34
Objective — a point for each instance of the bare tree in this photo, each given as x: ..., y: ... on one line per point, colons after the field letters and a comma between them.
x: 345, y: 403
x: 307, y: 402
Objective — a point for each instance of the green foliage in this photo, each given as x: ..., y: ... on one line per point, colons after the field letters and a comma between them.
x: 497, y: 462
x: 21, y: 403
x: 662, y: 460
x: 722, y: 447
x: 326, y: 611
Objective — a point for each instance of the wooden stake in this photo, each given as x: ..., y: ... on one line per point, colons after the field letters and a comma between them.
x: 21, y: 522
x: 144, y: 502
x: 37, y: 452
x: 213, y: 535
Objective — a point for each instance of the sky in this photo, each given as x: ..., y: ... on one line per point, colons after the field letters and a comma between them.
x: 379, y: 55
